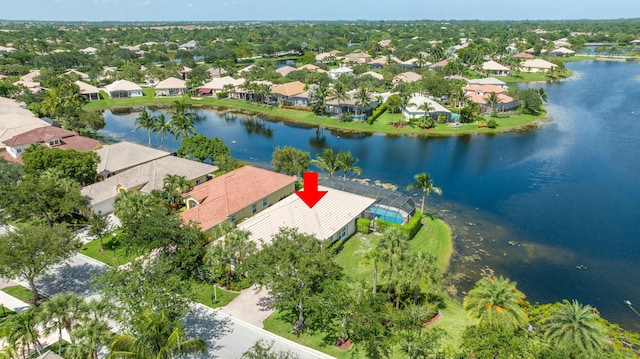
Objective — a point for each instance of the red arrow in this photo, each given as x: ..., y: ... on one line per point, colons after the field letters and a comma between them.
x: 310, y: 194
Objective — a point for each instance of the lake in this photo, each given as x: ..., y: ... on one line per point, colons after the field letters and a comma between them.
x: 556, y: 209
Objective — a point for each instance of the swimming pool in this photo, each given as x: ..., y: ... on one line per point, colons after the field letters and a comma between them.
x: 387, y: 214
x: 455, y: 117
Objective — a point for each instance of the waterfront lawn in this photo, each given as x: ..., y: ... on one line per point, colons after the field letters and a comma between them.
x: 113, y: 254
x: 148, y: 98
x: 19, y: 292
x: 434, y: 237
x: 203, y: 293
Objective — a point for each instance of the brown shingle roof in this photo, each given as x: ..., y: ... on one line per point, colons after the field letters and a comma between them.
x: 227, y: 194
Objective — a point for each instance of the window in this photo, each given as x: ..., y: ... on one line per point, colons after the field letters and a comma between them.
x: 343, y: 232
x: 55, y: 142
x: 199, y: 180
x: 232, y: 218
x: 192, y: 203
x: 254, y: 208
x: 265, y: 202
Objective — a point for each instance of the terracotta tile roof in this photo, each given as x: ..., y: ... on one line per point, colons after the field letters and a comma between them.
x: 311, y: 67
x: 482, y: 99
x: 484, y: 88
x: 70, y: 140
x: 523, y: 55
x: 229, y: 193
x: 289, y: 89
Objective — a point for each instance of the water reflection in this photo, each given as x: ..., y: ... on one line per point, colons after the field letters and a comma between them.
x: 257, y: 126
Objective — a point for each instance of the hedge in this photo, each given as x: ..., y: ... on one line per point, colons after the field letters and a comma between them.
x: 362, y: 224
x: 410, y: 229
x: 379, y: 111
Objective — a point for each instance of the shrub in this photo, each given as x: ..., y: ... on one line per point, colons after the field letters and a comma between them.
x: 222, y: 94
x: 410, y: 229
x: 492, y: 123
x: 379, y: 111
x: 362, y: 225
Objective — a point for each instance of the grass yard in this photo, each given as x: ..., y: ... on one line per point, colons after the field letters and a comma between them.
x: 19, y: 292
x: 434, y: 237
x: 203, y: 292
x: 5, y: 312
x: 114, y: 255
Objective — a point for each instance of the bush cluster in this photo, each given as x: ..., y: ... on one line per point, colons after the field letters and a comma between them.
x: 379, y: 111
x: 410, y: 229
x: 362, y: 225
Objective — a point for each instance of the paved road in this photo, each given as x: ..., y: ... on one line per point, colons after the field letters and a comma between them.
x: 227, y: 337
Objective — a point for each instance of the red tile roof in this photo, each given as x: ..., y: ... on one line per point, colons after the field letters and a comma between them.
x: 69, y: 139
x: 229, y: 193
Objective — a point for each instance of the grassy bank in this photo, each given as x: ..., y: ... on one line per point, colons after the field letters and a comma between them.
x: 19, y: 292
x: 381, y: 125
x: 434, y: 237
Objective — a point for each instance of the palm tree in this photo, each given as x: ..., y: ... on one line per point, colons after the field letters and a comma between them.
x: 146, y: 122
x: 182, y: 120
x: 61, y: 312
x: 426, y: 107
x: 174, y: 187
x: 161, y: 127
x: 575, y: 327
x: 363, y: 98
x: 348, y: 164
x: 424, y: 182
x: 393, y: 246
x: 340, y: 94
x: 496, y: 302
x: 405, y: 97
x: 157, y: 337
x: 328, y: 161
x: 131, y: 207
x: 90, y: 336
x: 492, y: 100
x: 423, y: 267
x: 374, y: 256
x: 19, y: 330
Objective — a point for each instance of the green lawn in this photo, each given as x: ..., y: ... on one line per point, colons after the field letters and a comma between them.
x: 203, y: 292
x: 113, y: 254
x: 5, y: 312
x: 19, y: 292
x: 434, y: 237
x: 381, y: 125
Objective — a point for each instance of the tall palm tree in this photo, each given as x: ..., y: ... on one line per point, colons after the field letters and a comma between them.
x: 393, y: 246
x: 90, y: 336
x: 348, y: 164
x: 182, y: 120
x: 340, y: 94
x: 161, y: 127
x: 175, y: 186
x: 328, y: 161
x: 492, y: 100
x: 374, y: 256
x: 157, y: 337
x: 405, y: 97
x: 19, y: 330
x: 363, y: 97
x: 145, y: 121
x: 496, y: 302
x: 131, y: 207
x: 61, y: 312
x: 423, y: 268
x: 575, y: 327
x: 424, y: 183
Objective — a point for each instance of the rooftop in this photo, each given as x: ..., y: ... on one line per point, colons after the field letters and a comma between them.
x: 123, y: 155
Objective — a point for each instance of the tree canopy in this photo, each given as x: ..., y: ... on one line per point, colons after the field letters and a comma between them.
x: 78, y: 166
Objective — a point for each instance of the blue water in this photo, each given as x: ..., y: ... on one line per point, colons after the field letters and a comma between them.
x: 389, y: 215
x: 566, y: 195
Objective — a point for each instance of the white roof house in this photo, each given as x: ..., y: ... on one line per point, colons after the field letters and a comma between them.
x: 413, y: 110
x: 82, y: 75
x: 495, y: 68
x: 537, y: 65
x: 218, y: 84
x: 88, y: 50
x: 123, y: 88
x: 171, y: 87
x: 342, y: 70
x: 88, y: 91
x: 333, y: 217
x: 372, y: 74
x: 562, y: 51
x: 121, y: 156
x: 285, y: 70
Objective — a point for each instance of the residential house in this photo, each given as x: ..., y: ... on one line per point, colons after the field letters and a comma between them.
x: 357, y: 58
x: 190, y: 45
x: 563, y: 42
x: 438, y: 65
x: 29, y: 82
x: 408, y: 77
x: 351, y: 105
x: 523, y: 56
x: 15, y: 121
x: 408, y: 65
x: 480, y: 93
x: 342, y: 70
x: 416, y: 110
x: 327, y: 56
x: 236, y: 195
x: 184, y: 72
x: 488, y: 81
x: 88, y: 50
x: 248, y: 68
x: 121, y: 156
x: 50, y: 136
x: 49, y: 355
x: 495, y: 68
x: 285, y: 70
x: 216, y: 72
x: 562, y: 51
x: 87, y: 91
x: 7, y: 49
x: 171, y: 87
x: 300, y: 100
x: 220, y: 84
x: 332, y: 218
x: 284, y: 91
x: 379, y: 62
x: 634, y: 42
x: 123, y: 89
x: 144, y: 178
x: 83, y: 76
x: 375, y: 75
x: 311, y: 67
x: 537, y: 65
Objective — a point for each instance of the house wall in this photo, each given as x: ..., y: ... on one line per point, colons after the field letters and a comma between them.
x: 271, y: 199
x: 105, y: 206
x: 198, y: 180
x: 351, y: 229
x: 15, y: 151
x: 135, y: 93
x: 533, y: 69
x: 170, y: 92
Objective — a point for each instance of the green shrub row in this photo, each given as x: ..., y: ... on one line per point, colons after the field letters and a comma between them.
x: 379, y: 111
x: 410, y: 229
x: 362, y: 225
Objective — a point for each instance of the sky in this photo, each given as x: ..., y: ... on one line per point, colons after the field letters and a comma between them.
x: 264, y: 10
